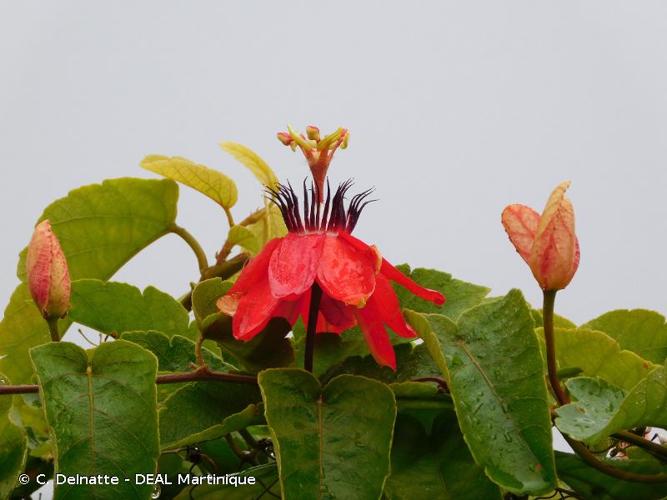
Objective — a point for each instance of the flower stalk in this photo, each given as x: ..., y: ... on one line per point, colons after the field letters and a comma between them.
x: 549, y: 338
x: 313, y: 310
x: 53, y: 329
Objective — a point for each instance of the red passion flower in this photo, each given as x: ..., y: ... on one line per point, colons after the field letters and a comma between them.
x: 319, y: 250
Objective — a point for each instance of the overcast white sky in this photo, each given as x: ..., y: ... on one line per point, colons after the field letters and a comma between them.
x: 455, y: 110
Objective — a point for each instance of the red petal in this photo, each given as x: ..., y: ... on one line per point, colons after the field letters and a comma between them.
x: 346, y: 273
x: 254, y: 311
x: 294, y: 264
x: 394, y: 274
x: 377, y: 338
x: 256, y: 269
x: 335, y: 316
x: 291, y: 309
x: 385, y: 305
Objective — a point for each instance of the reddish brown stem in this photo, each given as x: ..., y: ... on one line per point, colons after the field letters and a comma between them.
x: 201, y: 374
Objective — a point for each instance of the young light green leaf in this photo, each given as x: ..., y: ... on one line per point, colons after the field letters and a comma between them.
x: 270, y: 225
x: 207, y: 181
x: 243, y: 237
x: 437, y: 464
x: 600, y: 409
x: 202, y: 411
x: 111, y: 307
x: 100, y: 227
x: 253, y: 162
x: 597, y: 355
x: 637, y: 330
x: 332, y: 441
x: 101, y: 405
x: 460, y: 295
x: 498, y: 387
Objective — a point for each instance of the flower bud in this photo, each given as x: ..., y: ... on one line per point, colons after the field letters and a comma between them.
x: 547, y: 242
x: 48, y: 276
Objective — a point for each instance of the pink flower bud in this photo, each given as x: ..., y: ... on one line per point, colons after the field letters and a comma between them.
x: 48, y: 276
x: 546, y: 242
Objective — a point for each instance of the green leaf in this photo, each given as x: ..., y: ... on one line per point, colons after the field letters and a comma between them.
x: 411, y: 396
x: 270, y: 348
x: 100, y: 227
x: 498, y: 387
x: 433, y: 344
x: 265, y: 485
x: 253, y: 162
x: 590, y: 483
x: 205, y: 296
x: 101, y: 405
x: 600, y: 409
x: 331, y: 349
x: 411, y: 361
x: 332, y: 441
x: 207, y: 181
x: 21, y: 328
x: 171, y: 465
x: 110, y: 307
x: 559, y: 321
x: 437, y: 464
x: 460, y: 295
x: 270, y: 225
x: 13, y: 447
x: 597, y: 355
x: 175, y: 354
x: 637, y: 330
x: 203, y: 411
x: 243, y: 237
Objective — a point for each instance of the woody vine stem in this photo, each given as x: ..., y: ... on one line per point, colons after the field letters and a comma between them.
x: 562, y: 398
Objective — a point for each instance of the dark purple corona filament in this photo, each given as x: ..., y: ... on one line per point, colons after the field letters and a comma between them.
x: 330, y: 216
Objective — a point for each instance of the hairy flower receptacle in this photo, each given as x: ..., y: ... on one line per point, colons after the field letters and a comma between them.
x: 547, y: 242
x: 48, y: 274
